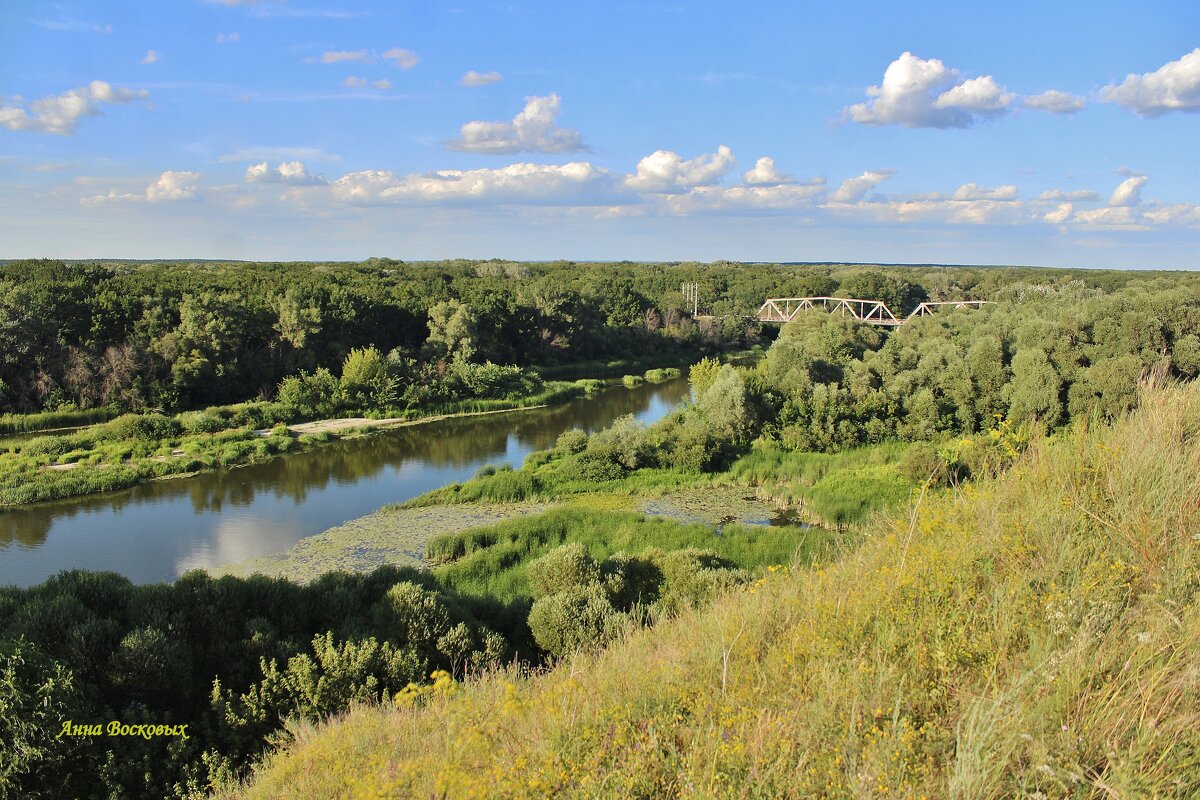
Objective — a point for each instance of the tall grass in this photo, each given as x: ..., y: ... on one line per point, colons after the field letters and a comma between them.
x: 49, y: 420
x: 1032, y: 635
x: 491, y: 560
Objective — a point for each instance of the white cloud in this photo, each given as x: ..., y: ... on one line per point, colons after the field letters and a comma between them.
x: 279, y: 154
x: 339, y: 56
x: 404, y: 59
x: 925, y: 93
x: 778, y: 197
x: 354, y: 82
x: 383, y: 84
x: 151, y: 57
x: 1054, y: 102
x: 1182, y: 214
x: 474, y: 78
x: 978, y: 96
x: 664, y: 171
x: 1121, y: 217
x: 1175, y: 86
x: 1129, y: 192
x: 532, y: 130
x: 223, y: 38
x: 1058, y: 215
x: 765, y: 174
x: 170, y: 186
x: 970, y: 191
x: 61, y: 113
x: 853, y: 190
x: 291, y: 172
x: 578, y: 182
x: 1075, y: 194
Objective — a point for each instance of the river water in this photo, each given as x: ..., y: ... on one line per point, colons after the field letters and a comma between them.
x: 159, y: 530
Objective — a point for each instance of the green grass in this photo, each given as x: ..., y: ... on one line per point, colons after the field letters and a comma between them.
x: 48, y: 420
x: 490, y: 561
x: 1031, y: 635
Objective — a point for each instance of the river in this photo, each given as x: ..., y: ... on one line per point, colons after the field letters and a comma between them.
x: 159, y: 530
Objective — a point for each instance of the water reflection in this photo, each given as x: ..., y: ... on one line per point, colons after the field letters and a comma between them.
x: 158, y: 530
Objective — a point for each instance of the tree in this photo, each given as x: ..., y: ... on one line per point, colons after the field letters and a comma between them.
x: 1035, y: 389
x: 367, y: 381
x: 452, y: 330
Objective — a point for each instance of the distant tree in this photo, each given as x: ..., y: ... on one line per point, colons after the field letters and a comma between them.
x: 452, y: 330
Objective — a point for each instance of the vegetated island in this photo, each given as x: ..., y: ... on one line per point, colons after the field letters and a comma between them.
x: 999, y: 594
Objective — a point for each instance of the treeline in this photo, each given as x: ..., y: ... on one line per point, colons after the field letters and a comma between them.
x: 233, y: 659
x: 966, y: 385
x: 178, y: 336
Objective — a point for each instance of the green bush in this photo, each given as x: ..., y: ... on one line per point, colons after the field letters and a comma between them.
x: 562, y: 569
x: 660, y: 375
x: 143, y: 427
x: 579, y: 618
x: 201, y: 422
x: 632, y: 381
x: 571, y: 441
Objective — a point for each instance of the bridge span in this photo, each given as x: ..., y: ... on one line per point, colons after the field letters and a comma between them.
x: 873, y: 312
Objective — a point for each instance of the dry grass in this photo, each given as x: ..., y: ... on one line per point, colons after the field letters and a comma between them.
x: 1036, y: 635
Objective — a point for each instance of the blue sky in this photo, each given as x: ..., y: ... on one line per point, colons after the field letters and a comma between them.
x: 1032, y: 133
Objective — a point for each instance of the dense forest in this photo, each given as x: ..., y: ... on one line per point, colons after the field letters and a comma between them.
x: 839, y: 416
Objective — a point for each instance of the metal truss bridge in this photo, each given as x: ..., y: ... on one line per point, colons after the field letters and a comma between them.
x: 874, y: 312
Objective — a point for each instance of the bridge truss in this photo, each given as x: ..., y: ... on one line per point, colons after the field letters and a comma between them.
x: 873, y: 312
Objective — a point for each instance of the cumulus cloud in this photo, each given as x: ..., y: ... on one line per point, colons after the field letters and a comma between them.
x: 777, y: 197
x: 977, y: 95
x: 170, y: 186
x: 925, y: 93
x: 290, y: 172
x: 1054, y: 102
x: 970, y: 191
x: 1075, y: 194
x: 404, y: 59
x: 1175, y: 86
x: 853, y: 190
x: 474, y: 78
x: 666, y: 172
x: 354, y: 82
x: 764, y: 174
x: 533, y: 130
x: 1058, y: 215
x: 61, y: 113
x: 224, y: 38
x: 578, y: 182
x: 151, y: 57
x: 1129, y: 192
x: 339, y: 56
x: 383, y: 84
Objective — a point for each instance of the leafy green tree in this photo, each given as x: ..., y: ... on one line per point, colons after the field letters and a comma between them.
x: 452, y: 330
x: 367, y: 381
x: 1035, y: 389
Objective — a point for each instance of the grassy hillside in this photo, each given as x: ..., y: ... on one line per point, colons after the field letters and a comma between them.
x: 1032, y: 635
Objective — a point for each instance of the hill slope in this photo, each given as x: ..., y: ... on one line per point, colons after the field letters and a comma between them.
x: 1033, y: 635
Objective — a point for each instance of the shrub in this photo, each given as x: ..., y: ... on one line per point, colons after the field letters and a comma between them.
x: 201, y: 422
x: 632, y: 381
x: 143, y: 427
x: 562, y: 569
x: 579, y: 618
x: 571, y: 441
x: 591, y: 466
x: 660, y: 375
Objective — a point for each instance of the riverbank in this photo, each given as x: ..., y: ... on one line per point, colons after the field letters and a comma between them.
x: 398, y: 535
x: 136, y: 448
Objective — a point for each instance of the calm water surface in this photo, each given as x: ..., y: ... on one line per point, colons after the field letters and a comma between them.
x: 159, y: 530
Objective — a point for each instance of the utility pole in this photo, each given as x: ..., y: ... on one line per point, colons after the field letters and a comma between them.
x: 691, y: 291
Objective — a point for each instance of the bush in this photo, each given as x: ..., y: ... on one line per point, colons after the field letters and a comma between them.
x: 143, y: 427
x: 632, y: 381
x: 579, y: 618
x: 201, y: 422
x: 591, y: 466
x: 562, y: 569
x: 571, y: 441
x: 660, y: 375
